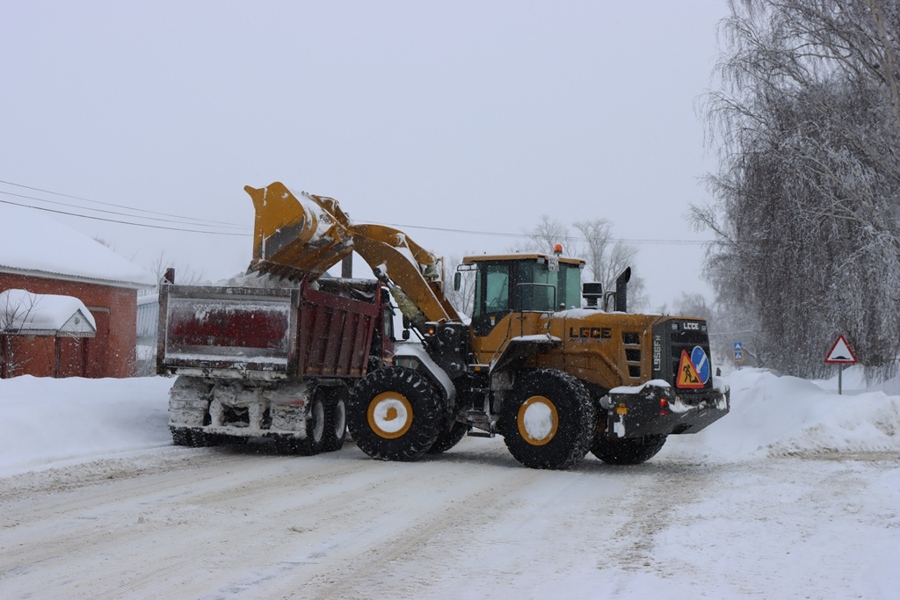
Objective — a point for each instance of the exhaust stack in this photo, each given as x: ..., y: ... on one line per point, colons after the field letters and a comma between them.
x: 622, y: 290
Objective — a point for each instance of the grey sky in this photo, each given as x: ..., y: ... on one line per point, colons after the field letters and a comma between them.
x: 461, y: 115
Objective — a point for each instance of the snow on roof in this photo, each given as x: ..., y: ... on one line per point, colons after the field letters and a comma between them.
x: 44, y: 314
x: 33, y: 244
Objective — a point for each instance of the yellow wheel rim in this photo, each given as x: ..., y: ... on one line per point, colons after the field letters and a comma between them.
x: 390, y: 415
x: 537, y: 420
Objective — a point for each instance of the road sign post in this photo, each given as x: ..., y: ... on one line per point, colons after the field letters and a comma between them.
x: 841, y: 354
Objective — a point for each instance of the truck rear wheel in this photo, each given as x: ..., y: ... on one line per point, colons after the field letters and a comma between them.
x: 394, y: 414
x: 335, y: 418
x: 627, y: 451
x: 315, y: 430
x: 548, y: 420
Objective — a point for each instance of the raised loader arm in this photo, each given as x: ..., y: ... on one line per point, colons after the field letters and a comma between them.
x: 304, y: 237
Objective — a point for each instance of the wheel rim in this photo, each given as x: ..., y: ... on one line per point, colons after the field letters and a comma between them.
x: 537, y: 420
x: 318, y: 424
x: 390, y: 415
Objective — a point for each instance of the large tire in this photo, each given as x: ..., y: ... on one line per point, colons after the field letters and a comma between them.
x: 448, y: 438
x: 394, y: 414
x: 548, y: 420
x: 627, y: 451
x: 315, y: 429
x: 200, y: 439
x: 181, y: 436
x: 335, y: 418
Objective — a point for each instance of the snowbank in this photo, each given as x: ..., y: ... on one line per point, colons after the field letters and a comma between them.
x: 49, y: 422
x: 775, y: 415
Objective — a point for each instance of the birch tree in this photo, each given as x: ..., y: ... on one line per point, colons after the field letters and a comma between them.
x: 807, y: 195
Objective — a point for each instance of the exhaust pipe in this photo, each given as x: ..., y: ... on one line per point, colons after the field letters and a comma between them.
x: 622, y: 290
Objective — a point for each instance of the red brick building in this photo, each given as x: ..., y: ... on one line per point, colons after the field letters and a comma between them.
x: 42, y: 256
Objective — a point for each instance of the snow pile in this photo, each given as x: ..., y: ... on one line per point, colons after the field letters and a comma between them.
x: 775, y: 415
x: 52, y: 422
x: 49, y: 422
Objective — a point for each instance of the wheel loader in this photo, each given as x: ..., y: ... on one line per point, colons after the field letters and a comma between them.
x: 557, y: 368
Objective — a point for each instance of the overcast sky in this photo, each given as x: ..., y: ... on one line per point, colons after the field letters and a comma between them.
x: 473, y: 116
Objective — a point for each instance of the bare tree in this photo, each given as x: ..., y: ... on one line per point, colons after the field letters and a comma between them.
x: 606, y: 258
x: 808, y: 189
x: 15, y: 311
x: 463, y: 298
x: 544, y: 237
x: 186, y: 275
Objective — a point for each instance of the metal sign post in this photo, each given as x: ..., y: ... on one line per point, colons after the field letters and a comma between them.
x: 841, y: 354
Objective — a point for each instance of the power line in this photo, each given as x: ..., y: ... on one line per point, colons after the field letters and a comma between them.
x: 100, y: 210
x: 61, y: 212
x: 202, y: 223
x: 658, y: 242
x: 150, y: 212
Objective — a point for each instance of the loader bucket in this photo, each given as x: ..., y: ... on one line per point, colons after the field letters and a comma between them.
x: 297, y: 237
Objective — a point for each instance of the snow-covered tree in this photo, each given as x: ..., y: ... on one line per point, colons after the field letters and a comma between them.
x: 808, y: 188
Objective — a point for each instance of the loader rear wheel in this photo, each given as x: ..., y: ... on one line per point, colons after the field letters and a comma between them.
x: 335, y: 419
x: 548, y: 420
x: 627, y: 451
x: 448, y: 438
x: 394, y: 414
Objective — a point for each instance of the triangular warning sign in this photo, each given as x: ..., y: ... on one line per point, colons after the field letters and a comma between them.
x: 841, y: 353
x: 687, y: 374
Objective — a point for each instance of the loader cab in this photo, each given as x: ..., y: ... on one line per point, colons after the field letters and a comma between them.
x: 521, y: 283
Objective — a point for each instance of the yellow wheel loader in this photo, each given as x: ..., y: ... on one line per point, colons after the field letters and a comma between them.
x: 557, y: 368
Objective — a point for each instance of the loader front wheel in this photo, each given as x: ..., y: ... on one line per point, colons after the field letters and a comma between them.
x: 394, y: 414
x: 627, y: 451
x: 548, y: 420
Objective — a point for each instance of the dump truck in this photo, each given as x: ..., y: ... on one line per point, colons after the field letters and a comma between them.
x: 556, y: 367
x: 269, y: 362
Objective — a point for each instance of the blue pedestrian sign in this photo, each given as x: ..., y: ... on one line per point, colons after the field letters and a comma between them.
x: 738, y: 346
x: 738, y: 356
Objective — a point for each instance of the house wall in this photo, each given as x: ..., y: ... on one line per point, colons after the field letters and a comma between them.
x: 109, y: 354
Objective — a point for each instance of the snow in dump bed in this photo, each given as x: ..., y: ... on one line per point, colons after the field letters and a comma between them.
x: 34, y: 242
x: 48, y: 421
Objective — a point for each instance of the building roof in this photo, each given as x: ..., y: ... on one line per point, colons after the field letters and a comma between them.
x: 36, y: 245
x: 24, y: 313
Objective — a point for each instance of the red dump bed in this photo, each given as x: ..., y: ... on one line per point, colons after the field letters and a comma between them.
x: 268, y: 333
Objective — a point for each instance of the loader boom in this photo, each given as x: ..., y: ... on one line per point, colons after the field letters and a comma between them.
x: 304, y: 237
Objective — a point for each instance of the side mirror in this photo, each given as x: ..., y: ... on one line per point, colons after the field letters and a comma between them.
x: 457, y: 281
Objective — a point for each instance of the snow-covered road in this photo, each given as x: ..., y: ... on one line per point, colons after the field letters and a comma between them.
x: 793, y: 495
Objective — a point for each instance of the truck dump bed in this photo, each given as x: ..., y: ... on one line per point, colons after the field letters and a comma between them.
x: 265, y: 333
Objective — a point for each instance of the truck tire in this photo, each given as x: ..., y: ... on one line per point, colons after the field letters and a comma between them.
x: 448, y: 438
x: 548, y: 420
x: 627, y: 451
x: 315, y: 430
x: 335, y: 418
x: 181, y: 436
x: 200, y: 439
x: 394, y: 414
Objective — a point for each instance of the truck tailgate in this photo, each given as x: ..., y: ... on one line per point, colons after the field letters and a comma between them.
x: 213, y: 330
